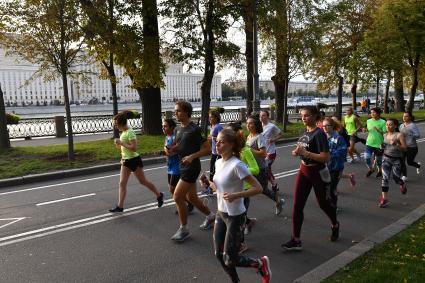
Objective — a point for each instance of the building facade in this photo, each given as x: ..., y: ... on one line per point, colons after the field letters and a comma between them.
x: 19, y: 89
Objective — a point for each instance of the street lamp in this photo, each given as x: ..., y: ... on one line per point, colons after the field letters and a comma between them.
x: 256, y: 98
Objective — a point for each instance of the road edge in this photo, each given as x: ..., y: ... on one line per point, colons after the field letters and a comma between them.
x: 331, y: 266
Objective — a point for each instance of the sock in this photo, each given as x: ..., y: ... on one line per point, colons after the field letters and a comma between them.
x: 184, y: 227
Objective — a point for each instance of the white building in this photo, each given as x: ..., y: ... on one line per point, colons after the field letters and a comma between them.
x: 18, y: 89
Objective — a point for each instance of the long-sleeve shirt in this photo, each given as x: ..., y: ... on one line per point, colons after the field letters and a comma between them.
x: 338, y: 152
x: 248, y: 158
x: 411, y: 133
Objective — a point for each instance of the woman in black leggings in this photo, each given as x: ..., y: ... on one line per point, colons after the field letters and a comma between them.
x: 411, y: 133
x: 313, y: 149
x: 230, y: 219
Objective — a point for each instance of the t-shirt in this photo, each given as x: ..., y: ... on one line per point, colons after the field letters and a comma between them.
x: 125, y: 138
x: 350, y: 124
x: 315, y: 142
x: 374, y: 138
x: 188, y: 139
x: 270, y: 131
x: 172, y: 160
x: 257, y: 143
x: 228, y: 178
x: 411, y: 133
x: 214, y: 133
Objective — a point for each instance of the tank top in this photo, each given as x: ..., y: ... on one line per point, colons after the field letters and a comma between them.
x: 391, y: 149
x: 350, y: 124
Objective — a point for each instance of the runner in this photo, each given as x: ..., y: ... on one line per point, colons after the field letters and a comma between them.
x: 130, y: 161
x: 190, y: 146
x: 230, y: 218
x: 248, y: 158
x: 338, y: 154
x: 313, y: 149
x: 257, y: 144
x: 214, y: 119
x: 173, y: 169
x: 376, y: 128
x: 271, y: 134
x: 352, y: 124
x: 395, y: 144
x: 411, y: 134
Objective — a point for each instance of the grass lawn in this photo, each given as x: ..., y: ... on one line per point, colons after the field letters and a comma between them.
x: 21, y: 161
x: 400, y: 259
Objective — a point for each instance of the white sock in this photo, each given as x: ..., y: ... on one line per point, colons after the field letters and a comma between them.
x: 184, y: 227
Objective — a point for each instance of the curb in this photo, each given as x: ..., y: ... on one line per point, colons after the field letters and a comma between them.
x: 328, y: 268
x: 28, y: 179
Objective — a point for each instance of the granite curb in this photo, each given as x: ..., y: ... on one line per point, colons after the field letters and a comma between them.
x: 28, y: 179
x: 331, y: 266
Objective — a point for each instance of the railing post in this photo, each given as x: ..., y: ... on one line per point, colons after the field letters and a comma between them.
x: 168, y: 114
x: 242, y: 114
x: 60, y: 126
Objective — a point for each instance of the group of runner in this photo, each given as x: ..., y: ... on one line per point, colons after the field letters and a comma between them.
x: 240, y: 169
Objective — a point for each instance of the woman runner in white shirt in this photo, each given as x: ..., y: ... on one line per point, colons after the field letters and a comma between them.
x: 230, y: 219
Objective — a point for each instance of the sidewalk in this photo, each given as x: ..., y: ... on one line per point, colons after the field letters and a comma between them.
x: 56, y: 141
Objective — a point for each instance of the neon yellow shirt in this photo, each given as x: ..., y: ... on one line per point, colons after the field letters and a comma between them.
x: 350, y: 124
x: 125, y: 138
x: 374, y: 138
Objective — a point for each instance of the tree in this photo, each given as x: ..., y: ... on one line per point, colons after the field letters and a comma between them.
x: 207, y: 43
x: 47, y: 34
x: 4, y: 133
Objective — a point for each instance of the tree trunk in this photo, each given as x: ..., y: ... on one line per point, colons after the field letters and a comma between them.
x: 399, y: 92
x: 71, y: 155
x: 387, y: 92
x: 340, y: 89
x: 354, y: 94
x: 4, y: 133
x: 414, y: 86
x: 378, y: 80
x: 150, y: 95
x: 247, y: 14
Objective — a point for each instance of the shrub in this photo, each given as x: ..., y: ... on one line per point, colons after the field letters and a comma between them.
x: 12, y: 118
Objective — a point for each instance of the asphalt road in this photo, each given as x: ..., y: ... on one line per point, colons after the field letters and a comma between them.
x: 60, y: 231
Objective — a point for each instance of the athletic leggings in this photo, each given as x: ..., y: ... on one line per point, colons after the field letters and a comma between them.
x: 409, y: 157
x: 391, y: 165
x: 335, y: 177
x: 378, y: 152
x: 228, y: 232
x: 270, y: 160
x: 317, y: 177
x: 262, y: 179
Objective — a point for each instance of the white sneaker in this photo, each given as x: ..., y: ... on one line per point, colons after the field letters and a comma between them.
x: 404, y: 178
x: 418, y: 170
x: 180, y: 235
x: 208, y: 223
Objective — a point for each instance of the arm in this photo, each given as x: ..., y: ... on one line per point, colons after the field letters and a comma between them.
x: 250, y: 161
x: 255, y: 188
x: 131, y: 145
x: 358, y: 124
x: 205, y: 150
x: 415, y: 131
x: 277, y: 137
x: 403, y: 145
x: 259, y: 152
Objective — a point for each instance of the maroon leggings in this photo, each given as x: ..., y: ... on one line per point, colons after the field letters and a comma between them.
x: 307, y: 177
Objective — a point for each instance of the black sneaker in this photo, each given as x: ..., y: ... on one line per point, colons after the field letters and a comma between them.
x: 293, y: 245
x: 335, y: 232
x: 379, y: 174
x: 160, y: 199
x: 116, y: 209
x: 370, y: 172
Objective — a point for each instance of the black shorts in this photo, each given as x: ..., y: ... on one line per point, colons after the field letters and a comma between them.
x: 173, y: 179
x: 133, y: 163
x: 191, y: 172
x: 355, y: 139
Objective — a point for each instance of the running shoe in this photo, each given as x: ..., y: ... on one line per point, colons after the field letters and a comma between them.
x: 242, y: 248
x: 418, y: 170
x: 264, y: 269
x: 335, y: 232
x: 403, y: 189
x: 160, y: 199
x: 383, y: 202
x: 180, y: 235
x: 293, y: 245
x: 404, y: 178
x: 116, y: 209
x: 248, y: 227
x: 275, y: 188
x: 279, y: 207
x: 352, y: 180
x: 208, y: 223
x: 369, y: 172
x: 351, y: 160
x: 379, y: 174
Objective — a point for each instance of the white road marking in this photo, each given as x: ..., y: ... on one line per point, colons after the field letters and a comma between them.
x: 11, y: 221
x: 65, y: 199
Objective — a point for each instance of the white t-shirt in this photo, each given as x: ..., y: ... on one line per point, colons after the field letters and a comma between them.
x: 228, y: 179
x: 269, y: 132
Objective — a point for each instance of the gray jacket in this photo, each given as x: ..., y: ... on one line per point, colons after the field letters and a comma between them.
x: 411, y: 133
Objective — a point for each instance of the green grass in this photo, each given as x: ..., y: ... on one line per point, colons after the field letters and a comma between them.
x: 20, y: 161
x: 400, y: 259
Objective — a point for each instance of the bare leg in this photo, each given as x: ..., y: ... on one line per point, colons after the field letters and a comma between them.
x: 124, y: 175
x: 140, y: 175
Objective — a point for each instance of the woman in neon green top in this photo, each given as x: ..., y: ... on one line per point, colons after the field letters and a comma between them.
x: 352, y: 124
x: 376, y: 127
x: 130, y: 161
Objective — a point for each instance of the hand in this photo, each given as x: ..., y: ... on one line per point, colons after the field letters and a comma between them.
x: 187, y: 160
x: 295, y: 152
x: 229, y: 197
x: 213, y: 186
x: 364, y: 130
x: 302, y: 151
x: 117, y: 141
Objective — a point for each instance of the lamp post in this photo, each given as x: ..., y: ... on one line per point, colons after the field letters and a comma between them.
x: 256, y: 98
